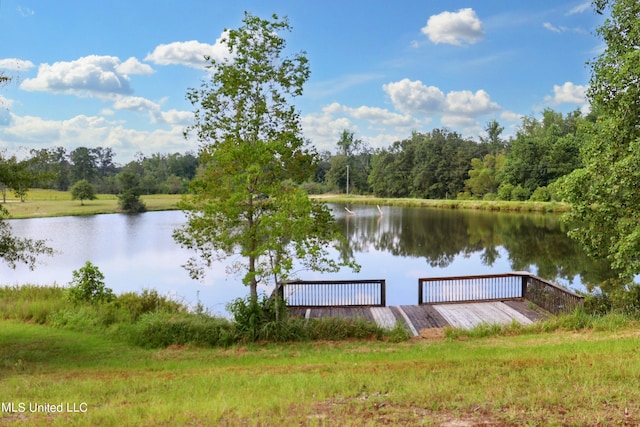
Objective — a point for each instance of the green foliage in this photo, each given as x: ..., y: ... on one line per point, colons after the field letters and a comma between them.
x: 541, y: 194
x: 162, y: 329
x: 129, y: 197
x: 603, y: 194
x: 245, y: 200
x: 83, y: 190
x: 88, y: 285
x: 543, y: 150
x: 433, y: 165
x: 519, y: 193
x: 31, y: 303
x: 483, y: 175
x: 253, y: 315
x: 14, y: 250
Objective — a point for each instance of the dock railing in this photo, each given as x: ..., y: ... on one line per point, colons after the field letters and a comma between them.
x: 497, y: 287
x: 333, y: 293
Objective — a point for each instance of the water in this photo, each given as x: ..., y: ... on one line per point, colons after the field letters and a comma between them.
x: 398, y: 244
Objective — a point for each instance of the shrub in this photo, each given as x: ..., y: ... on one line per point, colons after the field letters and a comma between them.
x: 88, y: 286
x: 519, y: 193
x: 541, y: 194
x: 504, y: 192
x: 162, y: 329
x: 134, y: 305
x: 252, y: 315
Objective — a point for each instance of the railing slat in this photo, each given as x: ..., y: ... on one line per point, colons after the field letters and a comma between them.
x: 334, y: 293
x: 491, y: 287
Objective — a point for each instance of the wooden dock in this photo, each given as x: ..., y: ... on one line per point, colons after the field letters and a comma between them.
x: 417, y: 318
x: 457, y: 302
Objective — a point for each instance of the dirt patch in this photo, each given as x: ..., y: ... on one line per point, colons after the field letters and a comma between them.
x: 432, y: 333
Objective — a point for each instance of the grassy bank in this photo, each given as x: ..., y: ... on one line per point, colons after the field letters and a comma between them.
x: 44, y: 203
x: 495, y: 205
x: 583, y: 378
x: 48, y: 203
x: 571, y: 370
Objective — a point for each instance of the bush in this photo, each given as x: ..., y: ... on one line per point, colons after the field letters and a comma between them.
x: 541, y: 194
x: 134, y: 305
x: 88, y: 286
x: 162, y: 329
x: 519, y: 193
x: 504, y: 191
x: 252, y: 315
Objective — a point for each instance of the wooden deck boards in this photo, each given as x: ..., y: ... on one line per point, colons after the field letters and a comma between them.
x: 418, y: 317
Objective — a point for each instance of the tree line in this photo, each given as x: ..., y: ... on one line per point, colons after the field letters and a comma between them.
x: 55, y: 168
x: 441, y: 164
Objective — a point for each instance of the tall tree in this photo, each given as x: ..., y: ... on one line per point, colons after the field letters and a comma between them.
x: 245, y: 199
x: 604, y: 196
x: 129, y: 196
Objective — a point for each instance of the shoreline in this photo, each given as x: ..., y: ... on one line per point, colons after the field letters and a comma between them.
x: 487, y: 205
x: 50, y: 203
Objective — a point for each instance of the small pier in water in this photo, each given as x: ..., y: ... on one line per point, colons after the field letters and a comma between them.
x: 459, y: 302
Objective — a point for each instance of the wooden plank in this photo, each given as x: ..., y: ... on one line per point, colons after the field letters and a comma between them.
x: 383, y: 316
x: 424, y: 316
x: 408, y: 322
x: 469, y: 315
x: 523, y: 308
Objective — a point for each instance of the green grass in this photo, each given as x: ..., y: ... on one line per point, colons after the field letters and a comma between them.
x: 501, y: 206
x: 577, y: 369
x: 564, y: 378
x: 48, y: 203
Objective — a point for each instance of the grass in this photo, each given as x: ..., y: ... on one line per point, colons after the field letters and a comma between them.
x: 577, y: 369
x: 494, y: 205
x: 48, y: 203
x: 565, y: 378
x: 43, y: 203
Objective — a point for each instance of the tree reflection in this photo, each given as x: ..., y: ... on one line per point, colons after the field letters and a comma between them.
x: 532, y: 241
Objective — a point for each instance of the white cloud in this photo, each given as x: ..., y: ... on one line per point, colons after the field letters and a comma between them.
x: 510, y: 116
x: 414, y: 97
x: 91, y: 131
x: 380, y: 116
x: 87, y: 76
x: 470, y: 104
x: 190, y: 53
x: 14, y: 64
x: 135, y: 103
x: 549, y: 26
x: 580, y: 8
x: 133, y: 66
x: 568, y: 93
x: 178, y: 118
x: 456, y: 28
x: 467, y: 126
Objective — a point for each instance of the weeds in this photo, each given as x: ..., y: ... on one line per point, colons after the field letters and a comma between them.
x: 153, y: 321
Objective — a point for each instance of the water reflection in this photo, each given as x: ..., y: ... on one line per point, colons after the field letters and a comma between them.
x: 530, y: 242
x: 401, y: 245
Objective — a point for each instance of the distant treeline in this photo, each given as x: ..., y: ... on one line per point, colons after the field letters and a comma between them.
x: 55, y: 168
x: 440, y: 164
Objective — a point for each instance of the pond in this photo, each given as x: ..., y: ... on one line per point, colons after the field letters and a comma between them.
x: 137, y: 252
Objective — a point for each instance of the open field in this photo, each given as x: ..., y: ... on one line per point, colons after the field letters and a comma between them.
x: 495, y: 205
x: 586, y: 378
x: 44, y: 203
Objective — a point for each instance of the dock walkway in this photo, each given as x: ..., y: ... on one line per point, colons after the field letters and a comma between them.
x: 458, y: 302
x: 416, y: 318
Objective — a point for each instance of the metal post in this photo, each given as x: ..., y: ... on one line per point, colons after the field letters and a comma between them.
x: 347, y: 180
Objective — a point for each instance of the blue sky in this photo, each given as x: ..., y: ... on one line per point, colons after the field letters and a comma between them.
x: 115, y: 73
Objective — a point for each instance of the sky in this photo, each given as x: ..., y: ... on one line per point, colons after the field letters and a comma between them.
x: 115, y: 73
